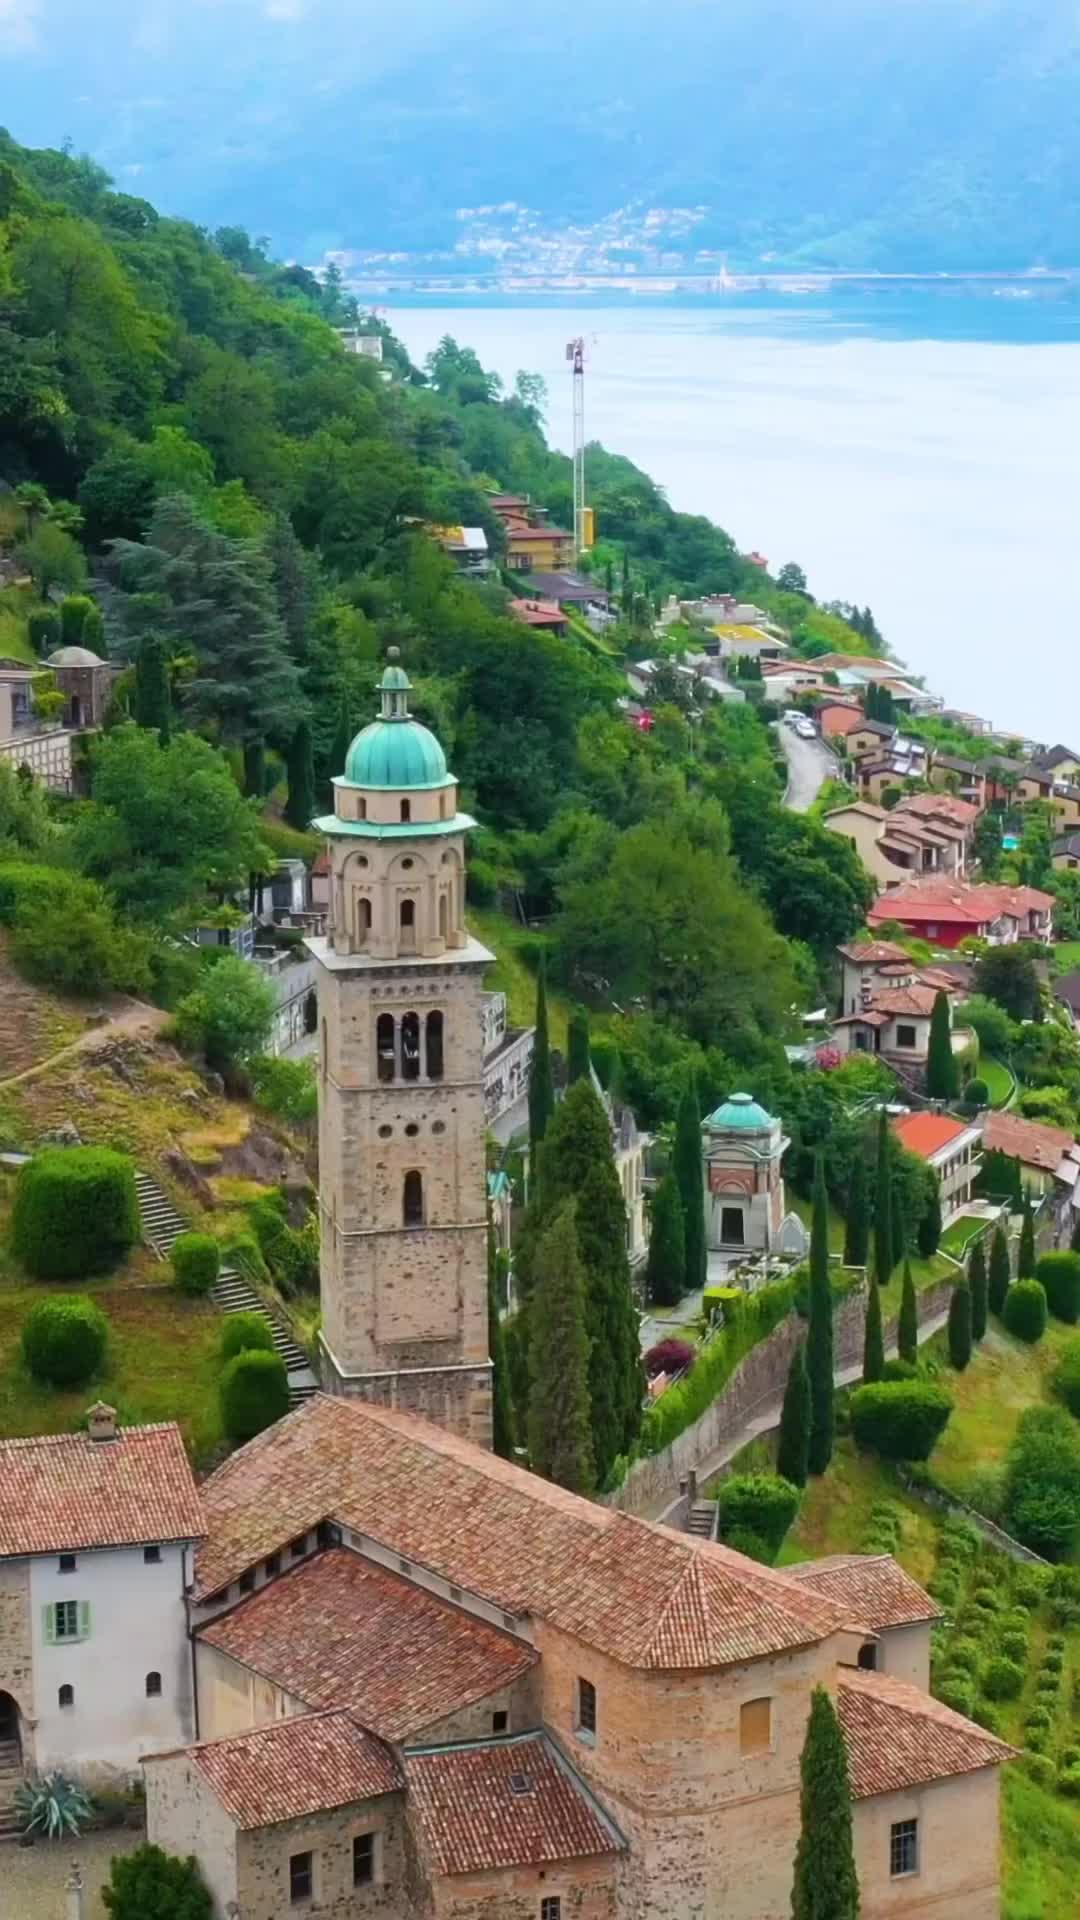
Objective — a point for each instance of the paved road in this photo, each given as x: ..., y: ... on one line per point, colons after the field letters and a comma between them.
x: 809, y: 765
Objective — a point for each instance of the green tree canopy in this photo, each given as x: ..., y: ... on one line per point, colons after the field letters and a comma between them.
x: 826, y: 1886
x: 560, y: 1440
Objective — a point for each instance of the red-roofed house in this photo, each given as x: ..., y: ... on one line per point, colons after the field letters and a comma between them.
x: 951, y: 1148
x: 946, y: 912
x: 546, y: 614
x: 96, y: 1538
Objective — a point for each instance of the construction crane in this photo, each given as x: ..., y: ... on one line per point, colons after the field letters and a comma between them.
x: 575, y: 354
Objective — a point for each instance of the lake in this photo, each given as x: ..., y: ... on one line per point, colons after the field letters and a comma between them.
x: 916, y: 454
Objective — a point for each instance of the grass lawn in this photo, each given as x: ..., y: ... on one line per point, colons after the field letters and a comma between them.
x: 15, y: 604
x: 999, y: 1081
x: 835, y: 1513
x: 956, y: 1236
x: 1065, y: 956
x: 925, y: 1273
x: 1004, y: 1377
x: 511, y: 973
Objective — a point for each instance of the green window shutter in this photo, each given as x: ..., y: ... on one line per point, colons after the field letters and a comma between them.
x: 84, y: 1619
x: 48, y: 1625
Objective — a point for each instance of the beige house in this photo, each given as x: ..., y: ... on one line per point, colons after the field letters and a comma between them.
x: 951, y: 1148
x: 900, y: 844
x: 433, y: 1686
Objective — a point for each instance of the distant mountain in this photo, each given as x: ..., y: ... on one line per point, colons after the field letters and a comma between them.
x: 871, y: 133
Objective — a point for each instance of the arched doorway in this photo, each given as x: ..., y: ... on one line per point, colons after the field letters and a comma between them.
x: 9, y: 1723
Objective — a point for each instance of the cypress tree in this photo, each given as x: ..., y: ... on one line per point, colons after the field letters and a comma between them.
x: 959, y: 1328
x: 666, y: 1266
x: 687, y: 1167
x: 819, y: 1337
x: 907, y: 1329
x: 873, y: 1365
x: 898, y: 1238
x: 857, y: 1226
x: 577, y: 1046
x: 502, y: 1413
x: 1025, y: 1266
x: 254, y: 769
x: 942, y: 1077
x: 560, y: 1445
x: 793, y: 1449
x: 1000, y: 1274
x: 300, y: 803
x: 1018, y: 1189
x: 883, y: 1220
x: 826, y: 1886
x: 928, y: 1232
x: 152, y: 704
x: 615, y: 1375
x: 541, y: 1085
x: 977, y: 1281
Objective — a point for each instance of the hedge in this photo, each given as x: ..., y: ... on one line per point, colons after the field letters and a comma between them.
x: 254, y: 1393
x: 1025, y: 1310
x: 75, y: 1212
x: 64, y: 1340
x: 1067, y: 1377
x: 957, y: 1690
x: 196, y: 1262
x: 246, y: 1333
x: 762, y: 1505
x: 1059, y: 1274
x: 1002, y: 1679
x: 749, y: 1319
x: 901, y: 1420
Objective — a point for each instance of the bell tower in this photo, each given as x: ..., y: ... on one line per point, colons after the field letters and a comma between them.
x: 402, y: 1196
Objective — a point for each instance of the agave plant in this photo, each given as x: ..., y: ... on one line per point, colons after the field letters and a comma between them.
x: 51, y: 1805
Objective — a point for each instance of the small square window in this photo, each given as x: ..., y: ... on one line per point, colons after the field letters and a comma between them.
x: 301, y: 1877
x: 903, y: 1848
x: 273, y: 1564
x: 246, y: 1582
x: 551, y: 1907
x: 67, y: 1563
x: 499, y: 1720
x: 298, y: 1547
x: 363, y: 1860
x: 152, y: 1556
x: 755, y: 1726
x: 586, y: 1708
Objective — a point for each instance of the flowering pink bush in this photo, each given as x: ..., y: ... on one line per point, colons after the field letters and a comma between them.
x: 670, y: 1357
x: 828, y: 1058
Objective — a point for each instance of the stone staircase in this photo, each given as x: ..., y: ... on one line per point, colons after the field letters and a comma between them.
x: 702, y: 1519
x: 162, y: 1226
x: 11, y: 1774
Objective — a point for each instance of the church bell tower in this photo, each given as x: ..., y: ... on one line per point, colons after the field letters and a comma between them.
x: 402, y: 1191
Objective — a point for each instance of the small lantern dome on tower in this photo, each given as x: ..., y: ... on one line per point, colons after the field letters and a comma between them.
x: 395, y: 751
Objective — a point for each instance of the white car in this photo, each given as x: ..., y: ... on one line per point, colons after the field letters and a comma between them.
x: 793, y: 717
x: 806, y: 730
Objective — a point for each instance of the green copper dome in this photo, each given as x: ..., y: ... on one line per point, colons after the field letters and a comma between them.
x: 743, y: 1113
x: 395, y: 751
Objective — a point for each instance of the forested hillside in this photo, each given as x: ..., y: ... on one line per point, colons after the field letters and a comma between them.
x: 187, y: 439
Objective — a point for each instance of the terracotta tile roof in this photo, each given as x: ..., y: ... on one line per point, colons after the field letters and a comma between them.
x: 898, y: 1737
x: 940, y: 898
x: 866, y: 953
x: 339, y: 1631
x: 927, y: 1133
x: 946, y: 806
x: 867, y: 1018
x: 60, y: 1492
x: 310, y: 1764
x: 644, y: 1595
x: 875, y: 1587
x: 917, y: 1000
x: 1031, y: 1141
x: 472, y: 1820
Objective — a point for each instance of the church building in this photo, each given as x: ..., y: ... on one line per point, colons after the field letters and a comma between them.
x: 401, y: 1085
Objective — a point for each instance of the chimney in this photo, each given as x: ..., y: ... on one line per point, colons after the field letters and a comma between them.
x: 101, y: 1421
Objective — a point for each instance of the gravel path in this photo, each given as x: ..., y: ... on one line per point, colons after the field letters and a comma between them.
x: 32, y: 1878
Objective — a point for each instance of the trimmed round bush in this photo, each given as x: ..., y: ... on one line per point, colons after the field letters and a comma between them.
x: 669, y: 1356
x: 64, y: 1340
x: 986, y: 1716
x: 901, y: 1420
x: 1015, y: 1621
x: 1014, y: 1646
x: 957, y: 1690
x: 977, y: 1093
x: 1038, y: 1720
x: 1038, y: 1768
x: 1069, y: 1755
x: 1052, y: 1661
x: 899, y: 1370
x: 985, y: 1599
x: 964, y: 1656
x: 1002, y: 1679
x: 1025, y: 1310
x: 743, y: 1541
x: 1057, y: 1643
x: 1048, y: 1684
x: 1068, y: 1782
x: 246, y: 1333
x: 254, y: 1393
x: 946, y: 1588
x: 75, y: 1212
x: 1037, y: 1740
x: 764, y: 1504
x: 196, y: 1263
x: 1029, y: 1586
x: 1067, y: 1377
x: 1059, y: 1276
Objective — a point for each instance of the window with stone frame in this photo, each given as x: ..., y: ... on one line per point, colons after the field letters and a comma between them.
x: 903, y: 1848
x: 551, y: 1907
x: 301, y: 1877
x: 412, y: 1199
x: 586, y: 1709
x: 364, y: 1860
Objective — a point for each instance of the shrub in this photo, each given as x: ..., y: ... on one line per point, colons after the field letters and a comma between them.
x: 899, y: 1370
x: 669, y: 1356
x: 150, y: 1884
x: 1024, y: 1313
x: 1068, y: 1782
x: 1002, y: 1679
x: 229, y: 1016
x: 64, y: 1340
x: 945, y: 1589
x: 957, y: 1690
x: 757, y: 1503
x: 964, y: 1655
x: 1014, y: 1646
x: 196, y: 1262
x: 1015, y: 1621
x: 1069, y: 1755
x: 742, y: 1540
x: 75, y: 1212
x: 1063, y: 1594
x: 246, y: 1333
x: 1048, y: 1684
x: 1053, y: 1661
x: 753, y: 1318
x: 986, y: 1597
x: 1039, y: 1718
x: 901, y: 1421
x: 1057, y: 1643
x: 1059, y: 1276
x: 1039, y: 1769
x: 986, y: 1716
x: 1037, y: 1740
x: 977, y: 1093
x: 1042, y: 1495
x: 1029, y: 1586
x: 254, y: 1393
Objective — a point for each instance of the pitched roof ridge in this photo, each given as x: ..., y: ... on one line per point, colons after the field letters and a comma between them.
x: 19, y: 1440
x: 911, y: 1700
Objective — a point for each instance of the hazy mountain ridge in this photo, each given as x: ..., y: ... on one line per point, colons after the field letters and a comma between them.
x: 929, y: 134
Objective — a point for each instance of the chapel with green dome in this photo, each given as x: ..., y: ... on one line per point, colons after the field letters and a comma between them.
x: 402, y: 1176
x: 742, y: 1149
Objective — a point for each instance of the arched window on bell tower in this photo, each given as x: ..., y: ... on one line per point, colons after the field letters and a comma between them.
x: 410, y: 1046
x: 407, y: 927
x: 412, y: 1199
x: 433, y: 1037
x: 363, y: 921
x: 444, y: 917
x: 385, y: 1048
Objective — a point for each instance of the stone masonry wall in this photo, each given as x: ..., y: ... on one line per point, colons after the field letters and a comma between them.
x: 16, y: 1655
x: 263, y: 1864
x: 757, y: 1382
